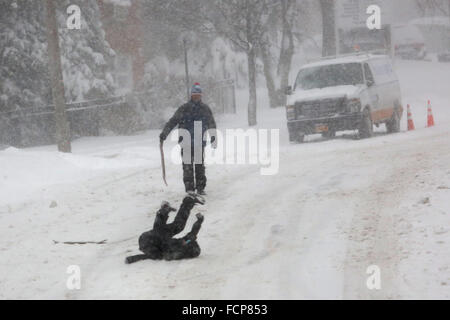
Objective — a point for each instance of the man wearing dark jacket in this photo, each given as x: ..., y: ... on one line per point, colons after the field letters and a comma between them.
x: 158, y: 243
x: 194, y: 114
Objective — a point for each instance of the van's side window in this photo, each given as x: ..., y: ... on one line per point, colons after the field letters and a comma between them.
x: 368, y: 72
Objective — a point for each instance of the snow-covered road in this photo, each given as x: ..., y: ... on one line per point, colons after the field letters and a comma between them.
x: 311, y: 231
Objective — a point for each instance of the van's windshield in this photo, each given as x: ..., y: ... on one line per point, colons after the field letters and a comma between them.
x: 329, y: 76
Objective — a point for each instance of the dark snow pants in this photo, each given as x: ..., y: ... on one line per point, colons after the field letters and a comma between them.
x: 194, y: 173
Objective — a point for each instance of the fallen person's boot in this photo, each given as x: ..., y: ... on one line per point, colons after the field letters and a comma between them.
x: 136, y: 258
x: 166, y: 205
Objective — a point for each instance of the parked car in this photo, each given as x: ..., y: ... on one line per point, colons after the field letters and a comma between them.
x: 444, y: 56
x: 409, y: 42
x: 346, y: 93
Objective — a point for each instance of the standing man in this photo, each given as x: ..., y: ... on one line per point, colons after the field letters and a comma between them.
x: 194, y: 114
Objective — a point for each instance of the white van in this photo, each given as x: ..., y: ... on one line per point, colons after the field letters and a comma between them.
x: 347, y: 93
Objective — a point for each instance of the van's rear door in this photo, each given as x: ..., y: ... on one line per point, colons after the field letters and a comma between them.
x: 387, y: 84
x: 373, y: 91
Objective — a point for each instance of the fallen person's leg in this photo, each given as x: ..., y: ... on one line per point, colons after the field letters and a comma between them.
x: 135, y: 258
x: 183, y: 213
x: 186, y: 247
x: 192, y: 235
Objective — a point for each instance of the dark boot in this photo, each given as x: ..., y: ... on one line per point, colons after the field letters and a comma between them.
x: 167, y: 207
x: 136, y: 258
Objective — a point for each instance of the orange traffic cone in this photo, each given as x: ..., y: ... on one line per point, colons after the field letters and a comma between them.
x: 430, y: 121
x: 411, y: 126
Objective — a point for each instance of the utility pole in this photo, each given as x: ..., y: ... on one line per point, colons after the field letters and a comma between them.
x: 186, y: 65
x: 328, y: 28
x: 337, y: 37
x: 56, y: 80
x: 448, y: 41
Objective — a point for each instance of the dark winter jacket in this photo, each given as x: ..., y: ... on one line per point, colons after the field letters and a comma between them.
x: 185, y: 117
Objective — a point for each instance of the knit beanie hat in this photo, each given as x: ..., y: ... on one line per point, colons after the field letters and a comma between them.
x: 196, y: 89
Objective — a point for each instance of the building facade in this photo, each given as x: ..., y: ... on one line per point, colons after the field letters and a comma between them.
x: 123, y: 30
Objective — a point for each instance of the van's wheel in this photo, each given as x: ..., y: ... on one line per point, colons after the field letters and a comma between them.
x: 366, y: 126
x: 329, y: 134
x: 393, y: 125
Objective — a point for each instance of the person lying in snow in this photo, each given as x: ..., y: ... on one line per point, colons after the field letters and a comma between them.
x: 158, y: 243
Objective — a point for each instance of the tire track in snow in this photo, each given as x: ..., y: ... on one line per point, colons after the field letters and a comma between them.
x: 373, y: 239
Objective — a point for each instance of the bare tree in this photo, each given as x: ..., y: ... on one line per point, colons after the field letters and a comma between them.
x: 266, y: 56
x: 242, y: 22
x: 287, y: 43
x: 268, y: 29
x: 433, y: 7
x: 280, y: 18
x: 56, y: 78
x: 288, y: 18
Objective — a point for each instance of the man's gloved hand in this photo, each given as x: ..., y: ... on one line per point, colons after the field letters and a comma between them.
x: 213, y: 142
x: 200, y: 217
x: 162, y: 137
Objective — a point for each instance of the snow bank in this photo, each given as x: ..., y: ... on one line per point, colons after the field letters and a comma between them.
x: 39, y: 168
